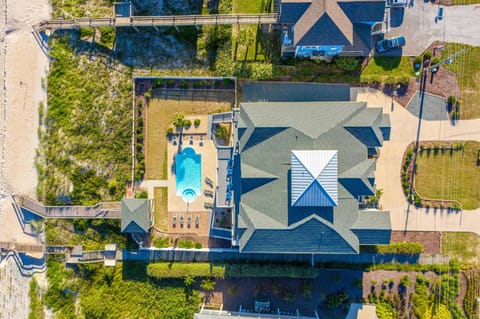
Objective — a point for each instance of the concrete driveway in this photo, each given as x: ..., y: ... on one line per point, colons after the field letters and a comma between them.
x: 387, y: 175
x: 417, y: 24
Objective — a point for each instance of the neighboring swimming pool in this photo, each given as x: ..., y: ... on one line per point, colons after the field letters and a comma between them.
x: 188, y: 171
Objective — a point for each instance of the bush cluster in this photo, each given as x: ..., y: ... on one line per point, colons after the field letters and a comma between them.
x: 395, y: 248
x: 181, y: 270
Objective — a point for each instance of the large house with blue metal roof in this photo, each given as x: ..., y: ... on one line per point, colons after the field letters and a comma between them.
x: 304, y: 169
x: 322, y: 28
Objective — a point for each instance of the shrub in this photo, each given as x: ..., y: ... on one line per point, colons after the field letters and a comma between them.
x: 187, y: 123
x: 142, y: 194
x: 385, y: 311
x: 197, y: 122
x: 335, y: 300
x: 451, y: 100
x: 427, y: 55
x: 252, y: 270
x: 347, y: 63
x: 307, y: 289
x: 170, y: 130
x: 399, y: 248
x: 435, y: 61
x: 86, y: 32
x: 208, y: 284
x: 418, y: 60
x: 221, y: 132
x: 162, y: 242
x: 260, y: 71
x: 224, y: 66
x: 107, y: 35
x: 232, y: 290
x: 182, y: 270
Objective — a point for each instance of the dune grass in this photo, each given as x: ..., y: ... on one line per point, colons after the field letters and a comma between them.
x: 461, y: 245
x: 467, y: 68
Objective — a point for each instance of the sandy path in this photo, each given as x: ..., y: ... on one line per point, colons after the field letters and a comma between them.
x: 22, y: 66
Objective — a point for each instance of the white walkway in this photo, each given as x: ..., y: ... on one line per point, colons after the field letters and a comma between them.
x: 150, y: 184
x: 404, y: 131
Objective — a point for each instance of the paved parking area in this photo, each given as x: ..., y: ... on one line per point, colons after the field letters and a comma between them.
x: 417, y: 24
x: 434, y: 107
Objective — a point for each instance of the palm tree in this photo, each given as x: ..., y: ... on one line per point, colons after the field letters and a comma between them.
x: 178, y: 120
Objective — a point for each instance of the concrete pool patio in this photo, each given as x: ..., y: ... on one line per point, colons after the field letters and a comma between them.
x: 199, y: 209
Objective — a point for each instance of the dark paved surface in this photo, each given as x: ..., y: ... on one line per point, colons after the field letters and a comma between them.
x: 289, y: 91
x: 434, y: 107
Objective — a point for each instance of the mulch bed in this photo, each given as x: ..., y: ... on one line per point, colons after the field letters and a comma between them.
x: 444, y: 83
x: 430, y: 239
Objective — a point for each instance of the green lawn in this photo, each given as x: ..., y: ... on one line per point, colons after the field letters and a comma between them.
x: 464, y: 2
x: 246, y: 45
x: 461, y: 246
x: 467, y: 68
x: 247, y: 6
x: 161, y: 212
x: 452, y: 175
x: 389, y: 70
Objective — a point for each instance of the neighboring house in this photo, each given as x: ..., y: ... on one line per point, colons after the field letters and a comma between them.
x: 137, y: 216
x: 362, y: 311
x: 304, y: 168
x: 319, y: 28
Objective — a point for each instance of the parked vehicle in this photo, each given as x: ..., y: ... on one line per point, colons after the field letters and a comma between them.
x: 388, y: 44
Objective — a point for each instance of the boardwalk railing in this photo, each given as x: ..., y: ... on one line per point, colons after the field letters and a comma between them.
x: 110, y: 210
x: 158, y: 21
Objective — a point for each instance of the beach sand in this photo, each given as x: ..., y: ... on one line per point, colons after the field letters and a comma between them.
x: 22, y: 67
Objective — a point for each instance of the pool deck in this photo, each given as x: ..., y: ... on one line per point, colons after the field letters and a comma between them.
x: 200, y: 206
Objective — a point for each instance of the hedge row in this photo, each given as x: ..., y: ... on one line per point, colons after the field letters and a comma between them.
x: 249, y: 270
x: 394, y: 248
x: 182, y: 270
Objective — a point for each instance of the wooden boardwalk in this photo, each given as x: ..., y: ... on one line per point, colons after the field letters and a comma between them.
x: 158, y: 21
x: 110, y: 210
x: 21, y: 248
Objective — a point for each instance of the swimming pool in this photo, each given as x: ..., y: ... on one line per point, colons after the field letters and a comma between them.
x: 188, y: 171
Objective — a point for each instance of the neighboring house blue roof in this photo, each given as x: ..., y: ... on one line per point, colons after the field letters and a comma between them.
x: 276, y: 139
x: 332, y: 22
x: 323, y: 32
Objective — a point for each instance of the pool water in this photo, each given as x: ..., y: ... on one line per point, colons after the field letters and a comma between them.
x: 188, y: 171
